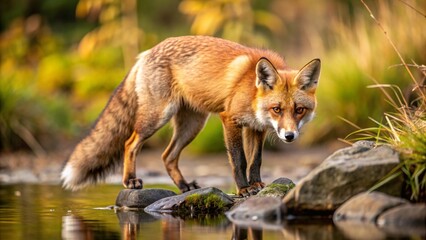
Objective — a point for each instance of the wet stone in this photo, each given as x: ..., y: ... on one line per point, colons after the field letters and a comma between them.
x: 258, y: 211
x: 195, y: 202
x: 366, y: 207
x: 408, y: 217
x: 344, y: 174
x: 278, y: 188
x: 140, y: 198
x: 376, y: 215
x: 283, y: 180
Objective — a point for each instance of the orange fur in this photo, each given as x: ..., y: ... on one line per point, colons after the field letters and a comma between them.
x: 184, y: 79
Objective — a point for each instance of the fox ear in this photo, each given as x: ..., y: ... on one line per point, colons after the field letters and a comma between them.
x: 266, y: 74
x: 307, y: 78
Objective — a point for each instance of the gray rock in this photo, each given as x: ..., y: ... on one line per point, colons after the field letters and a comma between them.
x: 377, y: 215
x: 283, y: 180
x: 278, y: 188
x: 366, y: 207
x: 364, y: 144
x: 258, y: 211
x: 199, y: 201
x: 404, y: 219
x: 140, y: 198
x: 342, y: 175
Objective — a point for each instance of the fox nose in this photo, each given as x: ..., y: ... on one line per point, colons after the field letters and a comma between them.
x: 289, y: 136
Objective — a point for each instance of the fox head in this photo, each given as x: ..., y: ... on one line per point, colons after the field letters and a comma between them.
x: 286, y: 99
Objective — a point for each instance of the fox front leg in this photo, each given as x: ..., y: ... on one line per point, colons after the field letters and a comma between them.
x: 234, y: 144
x: 253, y: 146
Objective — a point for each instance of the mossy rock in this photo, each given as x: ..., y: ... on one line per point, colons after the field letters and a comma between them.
x: 204, y: 201
x: 278, y: 188
x: 196, y: 204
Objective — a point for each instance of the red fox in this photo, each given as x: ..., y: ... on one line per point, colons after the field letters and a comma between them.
x: 184, y: 79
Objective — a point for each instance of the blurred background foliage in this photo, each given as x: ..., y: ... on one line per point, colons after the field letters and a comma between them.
x: 61, y: 60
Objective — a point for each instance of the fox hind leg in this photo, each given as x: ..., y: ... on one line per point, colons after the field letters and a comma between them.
x: 132, y: 146
x: 187, y: 124
x: 146, y: 125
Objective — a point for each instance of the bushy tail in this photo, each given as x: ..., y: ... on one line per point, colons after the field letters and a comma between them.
x: 102, y: 150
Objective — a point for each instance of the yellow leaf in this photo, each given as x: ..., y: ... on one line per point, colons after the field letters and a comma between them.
x: 207, y: 23
x: 82, y: 8
x: 109, y: 14
x: 190, y: 7
x: 87, y: 44
x: 268, y: 20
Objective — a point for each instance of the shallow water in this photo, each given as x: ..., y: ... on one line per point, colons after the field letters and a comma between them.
x: 48, y: 212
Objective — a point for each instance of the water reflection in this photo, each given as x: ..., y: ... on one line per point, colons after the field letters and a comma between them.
x: 48, y: 212
x: 76, y: 227
x: 73, y: 227
x: 133, y: 226
x: 131, y: 221
x: 242, y: 233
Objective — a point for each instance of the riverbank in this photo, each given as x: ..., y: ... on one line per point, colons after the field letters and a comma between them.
x: 213, y: 170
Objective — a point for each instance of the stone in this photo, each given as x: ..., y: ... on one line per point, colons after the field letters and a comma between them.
x: 199, y: 201
x: 140, y: 198
x: 278, y: 188
x: 283, y: 180
x: 366, y: 207
x: 258, y: 211
x: 367, y: 145
x: 404, y: 219
x: 345, y: 173
x: 376, y: 215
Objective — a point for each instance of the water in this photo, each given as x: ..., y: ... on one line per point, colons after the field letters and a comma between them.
x: 48, y: 212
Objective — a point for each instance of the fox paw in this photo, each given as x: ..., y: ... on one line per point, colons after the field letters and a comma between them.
x: 185, y: 187
x: 134, y: 183
x: 258, y: 185
x: 251, y: 190
x: 245, y: 192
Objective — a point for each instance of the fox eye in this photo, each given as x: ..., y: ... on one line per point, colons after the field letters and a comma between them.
x: 276, y: 110
x: 300, y: 110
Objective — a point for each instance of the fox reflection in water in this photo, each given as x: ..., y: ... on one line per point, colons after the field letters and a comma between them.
x: 141, y: 225
x: 75, y: 227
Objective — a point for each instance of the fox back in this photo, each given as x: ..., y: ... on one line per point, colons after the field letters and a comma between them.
x: 214, y: 75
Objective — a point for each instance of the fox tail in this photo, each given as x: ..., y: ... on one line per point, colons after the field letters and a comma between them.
x: 101, y: 152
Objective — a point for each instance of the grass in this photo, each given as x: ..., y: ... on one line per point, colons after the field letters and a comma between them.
x: 404, y: 128
x: 54, y: 85
x: 353, y: 52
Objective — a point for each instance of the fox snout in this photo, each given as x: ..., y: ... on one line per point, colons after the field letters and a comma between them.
x: 287, y: 136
